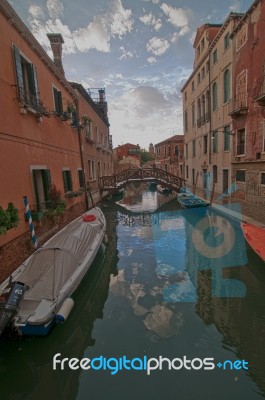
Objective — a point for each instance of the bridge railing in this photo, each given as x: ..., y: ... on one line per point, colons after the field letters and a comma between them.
x: 122, y: 177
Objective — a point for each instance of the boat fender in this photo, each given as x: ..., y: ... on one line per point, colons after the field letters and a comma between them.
x: 64, y: 311
x: 89, y: 218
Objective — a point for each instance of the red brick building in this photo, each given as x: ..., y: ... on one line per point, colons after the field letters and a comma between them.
x: 126, y: 156
x: 248, y: 109
x: 169, y: 155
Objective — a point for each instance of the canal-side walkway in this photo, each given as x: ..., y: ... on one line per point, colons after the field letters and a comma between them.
x: 253, y: 213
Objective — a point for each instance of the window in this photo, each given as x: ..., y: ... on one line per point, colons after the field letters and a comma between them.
x: 227, y: 138
x: 193, y: 176
x: 42, y: 183
x: 185, y: 96
x: 89, y: 129
x: 193, y: 148
x: 227, y: 41
x: 205, y: 144
x: 176, y: 150
x: 91, y: 169
x: 226, y: 86
x: 241, y: 139
x: 203, y: 109
x: 192, y: 86
x: 193, y: 114
x: 215, y: 174
x: 198, y: 78
x: 81, y: 178
x: 185, y: 121
x: 207, y: 67
x: 240, y: 175
x: 214, y: 95
x: 262, y: 178
x: 215, y: 59
x: 187, y: 150
x: 202, y: 44
x: 67, y: 181
x: 203, y: 72
x: 187, y: 172
x: 58, y: 105
x: 96, y: 133
x: 199, y: 113
x: 27, y: 83
x: 215, y: 141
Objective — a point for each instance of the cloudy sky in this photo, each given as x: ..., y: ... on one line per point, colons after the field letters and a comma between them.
x: 139, y: 50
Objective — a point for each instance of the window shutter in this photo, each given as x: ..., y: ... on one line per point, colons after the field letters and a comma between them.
x: 19, y: 74
x: 69, y: 180
x: 31, y: 82
x: 34, y: 172
x: 60, y: 103
x: 65, y: 181
x: 46, y: 179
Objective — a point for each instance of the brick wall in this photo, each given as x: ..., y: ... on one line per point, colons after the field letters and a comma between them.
x: 18, y: 250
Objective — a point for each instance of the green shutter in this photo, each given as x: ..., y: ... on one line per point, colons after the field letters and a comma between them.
x: 65, y: 181
x: 19, y: 73
x: 46, y: 180
x: 60, y: 103
x: 34, y: 172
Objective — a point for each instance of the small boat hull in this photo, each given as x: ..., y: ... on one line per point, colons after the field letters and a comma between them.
x: 255, y: 236
x: 191, y: 201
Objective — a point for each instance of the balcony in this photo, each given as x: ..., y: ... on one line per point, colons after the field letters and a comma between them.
x: 31, y: 102
x: 238, y: 108
x: 259, y: 92
x: 98, y: 145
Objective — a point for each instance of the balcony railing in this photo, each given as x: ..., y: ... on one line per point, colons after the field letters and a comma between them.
x: 238, y: 107
x: 28, y: 100
x: 259, y: 91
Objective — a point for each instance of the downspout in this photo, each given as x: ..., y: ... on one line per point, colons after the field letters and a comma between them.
x: 81, y: 153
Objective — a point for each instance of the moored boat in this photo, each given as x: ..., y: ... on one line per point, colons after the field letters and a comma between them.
x: 164, y: 189
x: 188, y: 200
x: 37, y: 295
x: 255, y: 236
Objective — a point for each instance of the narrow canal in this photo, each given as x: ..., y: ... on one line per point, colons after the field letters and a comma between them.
x: 145, y: 296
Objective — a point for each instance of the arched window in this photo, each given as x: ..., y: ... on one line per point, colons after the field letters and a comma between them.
x: 214, y: 92
x: 226, y: 86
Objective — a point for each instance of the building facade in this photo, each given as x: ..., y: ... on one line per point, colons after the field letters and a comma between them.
x: 125, y: 156
x: 44, y: 127
x: 207, y: 98
x: 248, y: 111
x: 169, y: 155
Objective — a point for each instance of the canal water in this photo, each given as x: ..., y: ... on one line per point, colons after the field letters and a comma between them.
x: 154, y: 292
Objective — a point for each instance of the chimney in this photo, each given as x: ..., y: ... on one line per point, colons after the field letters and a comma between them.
x: 56, y: 41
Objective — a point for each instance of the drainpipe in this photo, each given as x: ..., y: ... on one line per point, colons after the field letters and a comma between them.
x: 81, y: 153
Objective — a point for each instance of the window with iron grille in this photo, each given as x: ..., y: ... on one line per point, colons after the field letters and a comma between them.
x: 27, y: 82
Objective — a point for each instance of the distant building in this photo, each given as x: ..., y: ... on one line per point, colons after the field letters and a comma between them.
x: 125, y: 156
x: 151, y: 149
x: 169, y: 155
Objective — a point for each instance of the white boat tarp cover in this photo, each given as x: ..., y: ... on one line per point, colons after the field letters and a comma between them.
x: 52, y: 266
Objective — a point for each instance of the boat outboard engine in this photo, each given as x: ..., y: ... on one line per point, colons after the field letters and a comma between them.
x: 9, y: 307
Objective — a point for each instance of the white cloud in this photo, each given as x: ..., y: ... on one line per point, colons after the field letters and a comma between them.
x: 152, y: 60
x: 151, y: 20
x: 120, y: 19
x: 178, y: 17
x: 157, y: 46
x: 36, y: 12
x: 96, y: 35
x: 55, y: 8
x: 124, y: 54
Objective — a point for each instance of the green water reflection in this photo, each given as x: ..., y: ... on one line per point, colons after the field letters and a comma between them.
x: 120, y: 310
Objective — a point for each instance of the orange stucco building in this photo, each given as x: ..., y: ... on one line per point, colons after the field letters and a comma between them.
x: 45, y: 125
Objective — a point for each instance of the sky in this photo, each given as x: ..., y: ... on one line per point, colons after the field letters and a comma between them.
x: 140, y: 51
